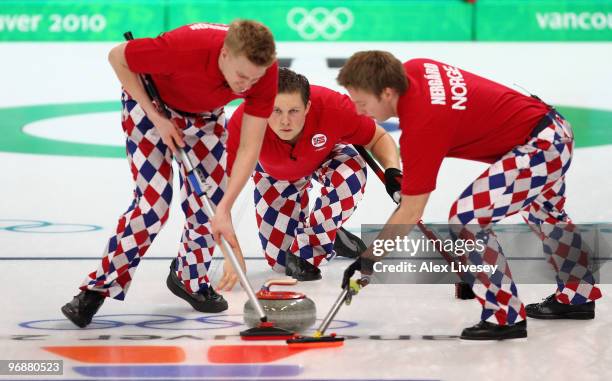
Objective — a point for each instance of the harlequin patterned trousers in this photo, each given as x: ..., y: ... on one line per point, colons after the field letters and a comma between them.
x: 151, y: 166
x: 285, y: 225
x: 529, y: 180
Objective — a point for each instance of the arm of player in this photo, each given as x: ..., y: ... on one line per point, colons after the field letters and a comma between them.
x: 385, y: 151
x: 251, y: 137
x: 169, y: 133
x: 411, y: 209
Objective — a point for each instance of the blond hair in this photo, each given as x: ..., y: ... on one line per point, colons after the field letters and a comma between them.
x: 253, y: 40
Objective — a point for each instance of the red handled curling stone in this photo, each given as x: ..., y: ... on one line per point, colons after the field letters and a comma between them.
x: 289, y: 310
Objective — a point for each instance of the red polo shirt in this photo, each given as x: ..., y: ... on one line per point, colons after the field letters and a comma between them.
x: 449, y: 112
x: 184, y: 64
x: 332, y: 119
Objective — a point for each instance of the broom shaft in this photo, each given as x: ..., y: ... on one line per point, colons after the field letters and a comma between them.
x: 424, y: 229
x: 333, y: 311
x: 228, y: 252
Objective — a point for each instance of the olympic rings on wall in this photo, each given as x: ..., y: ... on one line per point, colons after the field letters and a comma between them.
x: 320, y: 22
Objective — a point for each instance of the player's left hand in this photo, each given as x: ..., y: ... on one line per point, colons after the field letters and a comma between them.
x: 222, y: 228
x: 393, y: 183
x: 230, y: 277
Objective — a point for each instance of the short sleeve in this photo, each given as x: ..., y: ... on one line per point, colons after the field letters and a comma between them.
x: 149, y: 55
x: 360, y: 129
x: 259, y: 101
x: 354, y: 128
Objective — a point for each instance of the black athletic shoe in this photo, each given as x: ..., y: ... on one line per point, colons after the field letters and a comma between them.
x: 348, y: 245
x: 203, y: 301
x: 301, y: 269
x: 550, y: 308
x: 83, y: 307
x: 490, y: 331
x: 464, y: 291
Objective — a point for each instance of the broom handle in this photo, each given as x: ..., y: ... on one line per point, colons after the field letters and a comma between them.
x: 381, y: 175
x: 333, y: 312
x: 226, y: 249
x: 228, y: 252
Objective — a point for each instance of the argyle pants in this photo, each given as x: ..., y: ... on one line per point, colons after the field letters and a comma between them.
x: 150, y: 162
x: 529, y: 180
x: 285, y: 225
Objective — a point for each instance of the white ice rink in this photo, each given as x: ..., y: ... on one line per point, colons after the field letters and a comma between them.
x: 57, y: 211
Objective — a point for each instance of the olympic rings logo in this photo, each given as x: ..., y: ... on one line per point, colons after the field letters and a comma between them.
x: 320, y: 22
x: 154, y: 321
x: 46, y: 227
x: 160, y: 322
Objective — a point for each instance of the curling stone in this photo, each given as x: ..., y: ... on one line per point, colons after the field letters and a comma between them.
x: 290, y: 310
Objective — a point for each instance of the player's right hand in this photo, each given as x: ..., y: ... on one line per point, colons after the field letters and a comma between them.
x: 170, y: 134
x: 362, y: 264
x: 350, y: 271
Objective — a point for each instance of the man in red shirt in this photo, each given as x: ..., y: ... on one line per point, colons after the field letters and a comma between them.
x: 197, y: 69
x: 448, y: 112
x: 308, y: 137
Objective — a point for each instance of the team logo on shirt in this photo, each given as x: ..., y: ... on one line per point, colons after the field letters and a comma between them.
x: 319, y: 140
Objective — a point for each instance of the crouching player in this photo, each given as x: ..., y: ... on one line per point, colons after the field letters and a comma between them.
x: 309, y: 136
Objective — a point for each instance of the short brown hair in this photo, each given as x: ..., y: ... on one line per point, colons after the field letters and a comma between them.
x: 290, y: 82
x: 373, y: 71
x: 253, y: 40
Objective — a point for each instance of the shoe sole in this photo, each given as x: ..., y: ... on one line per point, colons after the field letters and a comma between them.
x: 302, y: 279
x: 567, y: 316
x: 348, y: 245
x: 186, y: 297
x: 463, y: 291
x: 79, y: 323
x: 309, y: 279
x: 516, y: 335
